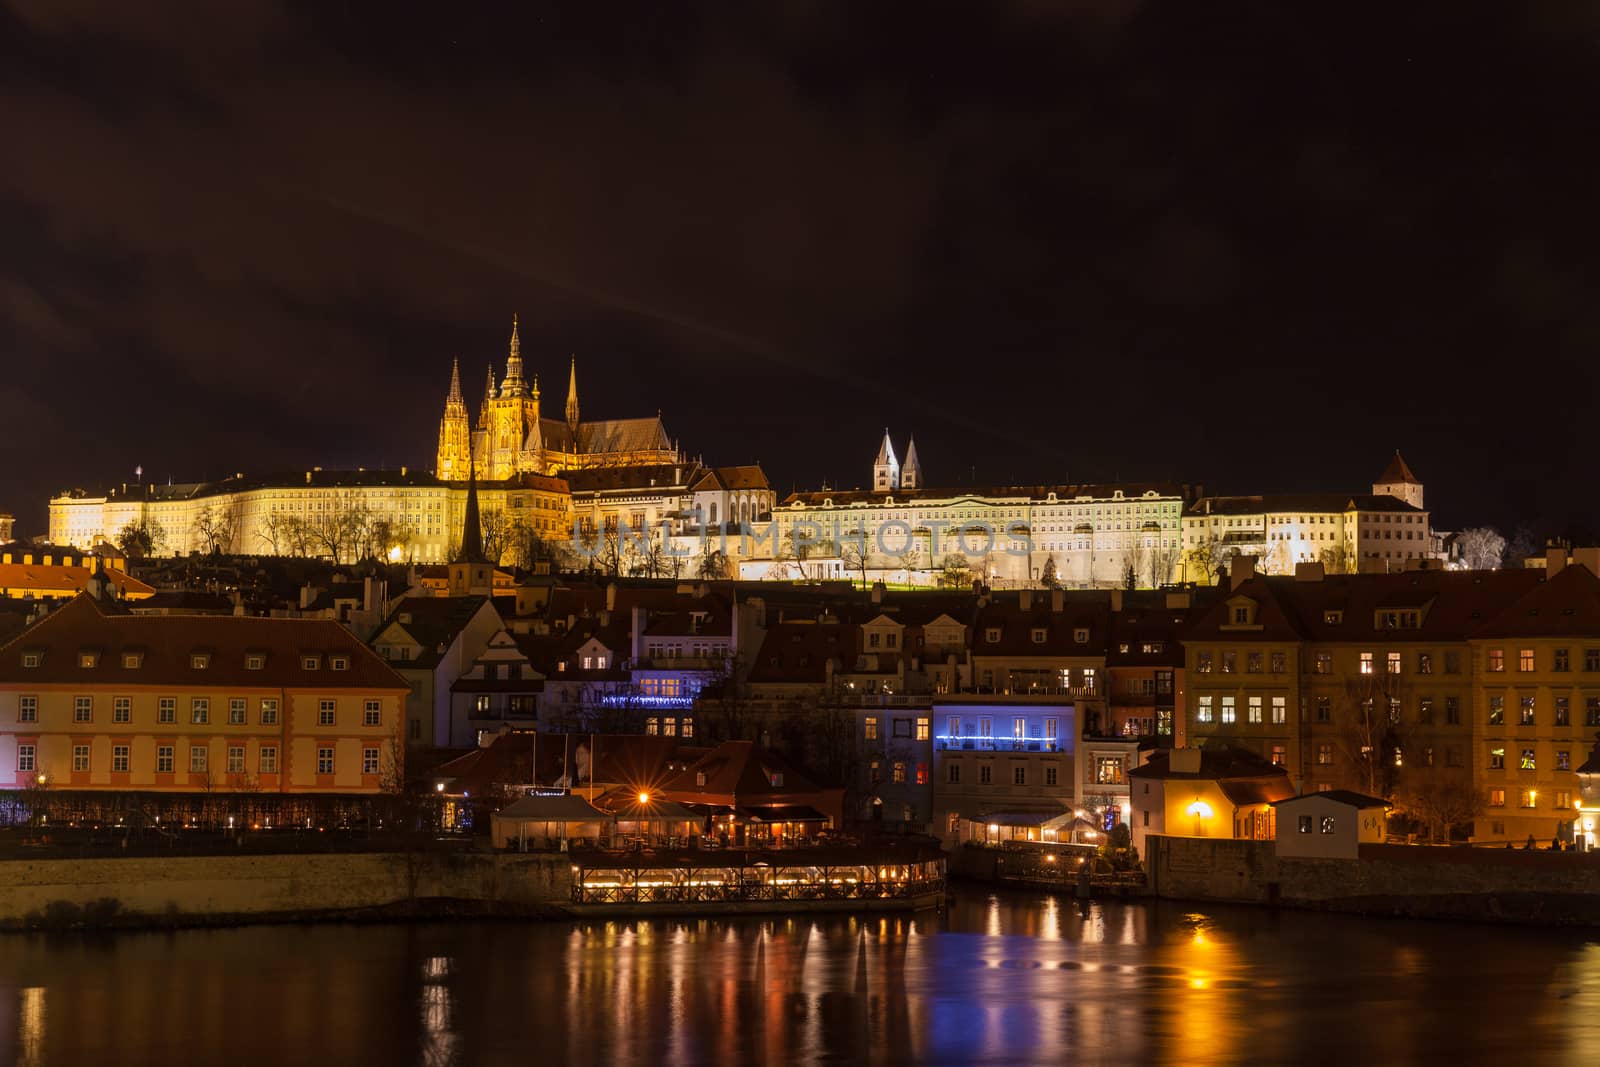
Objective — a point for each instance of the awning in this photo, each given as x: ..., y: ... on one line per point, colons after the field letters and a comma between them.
x: 1040, y: 819
x: 793, y: 813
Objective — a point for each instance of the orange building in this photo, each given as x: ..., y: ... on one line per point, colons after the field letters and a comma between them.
x: 94, y: 697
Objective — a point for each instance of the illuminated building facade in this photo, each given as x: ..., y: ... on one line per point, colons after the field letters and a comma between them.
x: 1397, y: 684
x: 511, y: 437
x: 342, y: 515
x: 93, y: 697
x: 1085, y: 535
x: 1387, y: 530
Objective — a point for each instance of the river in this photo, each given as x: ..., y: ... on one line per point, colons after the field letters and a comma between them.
x: 1008, y: 978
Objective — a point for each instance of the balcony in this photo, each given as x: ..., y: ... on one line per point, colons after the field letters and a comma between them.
x: 997, y: 744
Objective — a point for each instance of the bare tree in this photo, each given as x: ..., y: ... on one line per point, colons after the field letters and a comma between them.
x: 142, y: 537
x: 213, y: 528
x: 1161, y: 559
x: 854, y: 555
x: 495, y: 527
x: 1369, y: 731
x: 955, y: 572
x: 713, y: 566
x: 1136, y: 562
x: 339, y: 529
x: 1337, y: 558
x: 1442, y: 806
x: 1202, y: 561
x: 1481, y: 548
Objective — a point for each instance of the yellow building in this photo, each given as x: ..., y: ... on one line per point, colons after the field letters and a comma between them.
x: 400, y: 515
x: 95, y: 698
x: 511, y: 437
x: 52, y: 573
x: 1211, y: 792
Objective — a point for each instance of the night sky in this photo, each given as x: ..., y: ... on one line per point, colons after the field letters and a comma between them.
x: 1249, y: 245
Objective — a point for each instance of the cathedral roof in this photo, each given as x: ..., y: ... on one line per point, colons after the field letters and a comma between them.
x: 885, y: 451
x: 607, y: 435
x: 1397, y: 472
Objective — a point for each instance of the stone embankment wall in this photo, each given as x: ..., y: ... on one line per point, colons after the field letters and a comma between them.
x: 1462, y: 883
x: 222, y: 888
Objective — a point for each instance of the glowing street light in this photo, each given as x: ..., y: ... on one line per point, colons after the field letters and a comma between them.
x: 644, y: 798
x: 1200, y: 810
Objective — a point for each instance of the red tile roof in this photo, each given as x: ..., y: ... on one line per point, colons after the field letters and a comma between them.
x: 167, y: 642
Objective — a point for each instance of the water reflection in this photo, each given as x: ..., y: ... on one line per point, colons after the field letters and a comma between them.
x: 999, y: 978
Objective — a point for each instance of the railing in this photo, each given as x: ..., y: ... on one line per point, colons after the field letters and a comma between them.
x: 749, y: 891
x: 997, y: 744
x: 882, y: 700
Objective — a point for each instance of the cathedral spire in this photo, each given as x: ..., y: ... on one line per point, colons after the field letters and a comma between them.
x: 514, y: 384
x: 572, y: 403
x: 455, y: 382
x: 911, y: 469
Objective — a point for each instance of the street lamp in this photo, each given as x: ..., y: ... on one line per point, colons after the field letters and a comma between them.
x: 1200, y: 810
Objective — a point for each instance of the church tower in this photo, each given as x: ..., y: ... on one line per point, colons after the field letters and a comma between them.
x: 1398, y: 481
x: 455, y: 432
x: 470, y: 573
x: 911, y: 473
x: 886, y: 471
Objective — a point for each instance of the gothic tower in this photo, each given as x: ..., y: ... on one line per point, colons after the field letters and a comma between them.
x: 455, y: 432
x: 911, y: 472
x: 886, y: 471
x: 470, y: 573
x: 1398, y: 481
x: 572, y: 407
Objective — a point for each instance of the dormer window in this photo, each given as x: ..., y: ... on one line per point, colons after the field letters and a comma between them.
x: 31, y: 659
x: 255, y: 662
x: 1081, y: 635
x: 199, y: 661
x: 700, y: 778
x: 1038, y: 635
x: 776, y: 778
x: 310, y: 663
x: 88, y: 658
x: 132, y: 661
x: 992, y: 635
x: 1333, y: 617
x: 339, y: 663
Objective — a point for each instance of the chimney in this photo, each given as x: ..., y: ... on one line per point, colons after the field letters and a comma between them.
x: 367, y: 584
x: 1554, y: 560
x: 1025, y: 599
x: 1308, y: 572
x: 1058, y: 600
x: 1240, y: 570
x: 238, y: 602
x: 1178, y: 601
x: 308, y: 593
x: 1116, y: 600
x: 1588, y: 558
x: 877, y: 591
x: 1184, y: 761
x: 611, y: 597
x: 640, y: 619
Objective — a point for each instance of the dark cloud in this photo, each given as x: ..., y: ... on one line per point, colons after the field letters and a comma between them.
x: 1253, y: 246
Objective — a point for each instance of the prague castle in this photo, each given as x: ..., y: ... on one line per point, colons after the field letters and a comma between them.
x: 511, y: 437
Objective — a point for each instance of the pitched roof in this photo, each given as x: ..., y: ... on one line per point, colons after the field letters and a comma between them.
x: 1217, y: 762
x: 607, y: 436
x: 1291, y: 503
x: 1566, y: 604
x: 742, y: 770
x: 60, y: 581
x: 432, y: 622
x: 800, y: 651
x: 1397, y: 471
x: 167, y: 643
x: 1065, y: 494
x: 522, y: 758
x: 1341, y: 796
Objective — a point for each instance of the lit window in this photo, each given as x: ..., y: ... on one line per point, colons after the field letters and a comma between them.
x: 1327, y: 824
x: 1366, y: 663
x: 1254, y: 709
x: 199, y: 661
x: 1497, y: 759
x: 269, y: 711
x: 1525, y: 659
x: 199, y: 710
x: 1497, y: 660
x: 1527, y: 762
x: 870, y: 727
x: 254, y: 663
x: 924, y: 729
x: 1228, y: 710
x: 1203, y: 710
x: 1394, y: 663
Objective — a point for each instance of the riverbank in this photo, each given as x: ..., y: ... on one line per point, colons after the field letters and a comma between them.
x: 1404, y: 881
x: 185, y: 891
